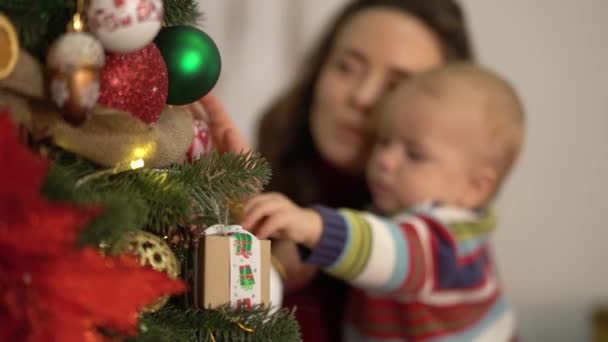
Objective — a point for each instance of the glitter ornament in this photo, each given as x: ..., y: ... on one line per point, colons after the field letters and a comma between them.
x: 135, y: 82
x: 236, y: 208
x: 73, y: 62
x: 201, y: 143
x: 125, y: 26
x: 152, y: 251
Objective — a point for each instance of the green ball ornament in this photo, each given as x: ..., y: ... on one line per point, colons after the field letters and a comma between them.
x: 193, y: 62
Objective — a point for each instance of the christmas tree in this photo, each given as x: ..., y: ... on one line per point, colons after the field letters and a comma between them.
x: 109, y: 183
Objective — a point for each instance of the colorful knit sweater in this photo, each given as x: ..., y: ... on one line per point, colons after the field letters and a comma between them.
x: 425, y: 275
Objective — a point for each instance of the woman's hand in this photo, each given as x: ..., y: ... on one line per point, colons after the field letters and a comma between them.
x: 224, y: 133
x: 297, y: 273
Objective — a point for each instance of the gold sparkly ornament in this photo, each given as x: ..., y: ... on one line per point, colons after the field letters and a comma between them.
x: 152, y: 251
x: 237, y: 209
x: 9, y: 47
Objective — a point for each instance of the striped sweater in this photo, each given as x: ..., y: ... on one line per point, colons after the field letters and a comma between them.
x: 425, y: 275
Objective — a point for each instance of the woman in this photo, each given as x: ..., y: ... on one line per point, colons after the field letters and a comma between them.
x: 315, y: 135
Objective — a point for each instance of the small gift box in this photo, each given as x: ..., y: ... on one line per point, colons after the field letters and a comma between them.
x: 232, y: 266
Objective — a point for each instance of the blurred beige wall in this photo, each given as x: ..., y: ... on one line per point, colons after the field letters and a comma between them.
x: 262, y: 42
x: 552, y: 241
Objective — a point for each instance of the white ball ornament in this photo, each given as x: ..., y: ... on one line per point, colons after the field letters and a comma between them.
x: 125, y: 26
x: 75, y: 49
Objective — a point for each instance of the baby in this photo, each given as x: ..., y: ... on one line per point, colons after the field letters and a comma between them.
x: 419, y: 262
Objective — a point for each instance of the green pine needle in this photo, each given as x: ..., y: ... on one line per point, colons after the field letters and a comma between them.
x: 216, y: 180
x: 121, y: 214
x: 122, y: 211
x: 174, y: 324
x: 156, y: 200
x: 181, y: 12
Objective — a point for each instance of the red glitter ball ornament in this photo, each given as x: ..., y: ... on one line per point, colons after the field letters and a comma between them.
x: 135, y: 82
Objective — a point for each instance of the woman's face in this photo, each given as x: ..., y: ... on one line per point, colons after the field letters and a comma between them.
x: 375, y: 49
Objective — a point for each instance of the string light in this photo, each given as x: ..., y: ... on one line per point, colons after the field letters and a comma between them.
x: 133, y: 164
x: 77, y: 22
x: 137, y: 164
x: 235, y: 320
x: 245, y: 328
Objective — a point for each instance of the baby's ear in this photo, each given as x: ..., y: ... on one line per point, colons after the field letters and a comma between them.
x: 482, y: 186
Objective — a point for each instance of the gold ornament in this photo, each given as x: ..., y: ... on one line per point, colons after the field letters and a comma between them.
x: 237, y: 209
x: 152, y: 251
x: 9, y: 47
x: 279, y: 267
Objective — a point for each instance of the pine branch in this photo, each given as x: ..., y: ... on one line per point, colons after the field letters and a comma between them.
x: 121, y: 215
x: 166, y: 196
x: 181, y: 12
x: 38, y: 25
x: 173, y: 324
x: 132, y: 200
x: 217, y: 180
x: 157, y: 199
x: 61, y: 180
x: 122, y: 211
x: 38, y: 5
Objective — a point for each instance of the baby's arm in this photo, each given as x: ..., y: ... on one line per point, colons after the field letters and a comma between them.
x: 406, y: 256
x: 364, y: 249
x: 372, y: 252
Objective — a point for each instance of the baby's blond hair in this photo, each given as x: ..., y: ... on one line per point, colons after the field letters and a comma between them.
x: 502, y: 110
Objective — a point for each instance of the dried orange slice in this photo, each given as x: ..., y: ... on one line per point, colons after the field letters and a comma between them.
x: 9, y: 47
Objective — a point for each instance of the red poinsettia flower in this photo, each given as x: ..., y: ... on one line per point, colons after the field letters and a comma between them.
x: 50, y: 290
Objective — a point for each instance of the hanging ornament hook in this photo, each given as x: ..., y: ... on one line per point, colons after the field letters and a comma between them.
x: 77, y: 22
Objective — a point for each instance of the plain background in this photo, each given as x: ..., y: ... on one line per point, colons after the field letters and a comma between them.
x: 552, y: 240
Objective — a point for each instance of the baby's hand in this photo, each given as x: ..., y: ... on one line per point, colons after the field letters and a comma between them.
x: 274, y: 215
